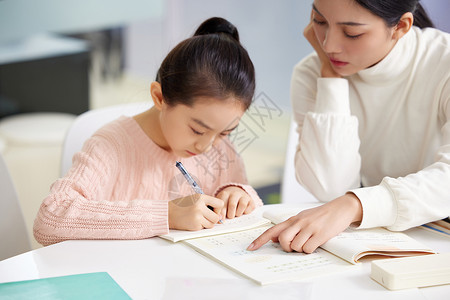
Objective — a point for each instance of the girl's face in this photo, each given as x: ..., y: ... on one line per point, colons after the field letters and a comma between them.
x: 189, y: 131
x: 351, y: 36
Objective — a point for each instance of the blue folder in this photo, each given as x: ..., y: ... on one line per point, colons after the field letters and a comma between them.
x: 96, y: 286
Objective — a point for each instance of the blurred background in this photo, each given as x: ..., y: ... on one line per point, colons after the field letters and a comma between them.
x: 60, y: 58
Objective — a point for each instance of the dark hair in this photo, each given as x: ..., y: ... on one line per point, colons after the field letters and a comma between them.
x: 212, y: 63
x: 391, y: 11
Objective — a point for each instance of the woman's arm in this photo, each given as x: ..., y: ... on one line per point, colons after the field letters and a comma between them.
x: 327, y: 160
x: 417, y: 198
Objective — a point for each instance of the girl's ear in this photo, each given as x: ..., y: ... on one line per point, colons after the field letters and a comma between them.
x: 156, y: 93
x: 403, y: 26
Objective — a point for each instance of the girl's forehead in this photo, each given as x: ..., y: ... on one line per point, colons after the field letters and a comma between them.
x: 217, y: 115
x: 230, y: 103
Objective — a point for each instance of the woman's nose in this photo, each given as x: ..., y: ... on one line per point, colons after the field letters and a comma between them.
x: 331, y: 42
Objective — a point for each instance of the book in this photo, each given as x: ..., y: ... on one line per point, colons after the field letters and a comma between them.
x: 99, y: 285
x: 270, y: 264
x: 441, y: 227
x: 228, y: 225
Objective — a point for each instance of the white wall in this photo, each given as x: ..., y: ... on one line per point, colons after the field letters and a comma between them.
x: 439, y: 11
x: 270, y: 30
x: 24, y: 18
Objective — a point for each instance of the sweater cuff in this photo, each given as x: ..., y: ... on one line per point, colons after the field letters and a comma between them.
x: 160, y: 217
x: 248, y: 189
x: 378, y: 204
x: 332, y: 96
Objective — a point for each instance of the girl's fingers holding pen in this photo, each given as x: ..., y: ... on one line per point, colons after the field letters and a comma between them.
x: 215, y: 203
x: 214, y: 215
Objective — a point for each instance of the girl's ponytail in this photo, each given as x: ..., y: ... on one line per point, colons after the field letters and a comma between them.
x: 210, y: 65
x: 217, y: 25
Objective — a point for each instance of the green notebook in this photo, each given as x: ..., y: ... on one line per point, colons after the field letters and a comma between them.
x: 81, y: 286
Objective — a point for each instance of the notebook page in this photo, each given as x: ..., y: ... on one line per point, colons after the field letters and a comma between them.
x: 352, y: 244
x: 229, y: 225
x: 281, y: 213
x: 270, y: 263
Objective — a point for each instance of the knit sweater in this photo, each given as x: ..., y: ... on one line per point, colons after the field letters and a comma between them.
x: 382, y: 133
x: 120, y: 184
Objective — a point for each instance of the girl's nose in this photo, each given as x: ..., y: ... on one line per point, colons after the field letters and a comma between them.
x: 205, y: 144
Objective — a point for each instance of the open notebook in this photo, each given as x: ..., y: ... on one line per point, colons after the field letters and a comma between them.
x: 271, y: 264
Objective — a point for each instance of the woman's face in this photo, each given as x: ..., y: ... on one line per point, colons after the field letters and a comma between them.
x: 351, y: 36
x: 192, y: 130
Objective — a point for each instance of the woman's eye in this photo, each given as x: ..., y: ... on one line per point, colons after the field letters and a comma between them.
x: 318, y: 22
x: 197, y: 132
x: 353, y: 36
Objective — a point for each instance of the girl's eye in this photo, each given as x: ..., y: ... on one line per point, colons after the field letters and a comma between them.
x: 319, y: 22
x: 225, y: 134
x: 197, y: 132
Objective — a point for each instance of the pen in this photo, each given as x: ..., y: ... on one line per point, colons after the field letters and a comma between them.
x: 192, y: 182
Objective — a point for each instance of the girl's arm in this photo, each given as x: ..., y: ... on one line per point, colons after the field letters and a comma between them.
x: 79, y: 205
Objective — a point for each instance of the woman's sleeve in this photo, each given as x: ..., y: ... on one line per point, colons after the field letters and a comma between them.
x: 73, y: 209
x: 327, y: 160
x: 418, y: 198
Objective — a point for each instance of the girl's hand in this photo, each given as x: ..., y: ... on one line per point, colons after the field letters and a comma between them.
x: 236, y: 202
x: 313, y: 227
x: 192, y: 212
x: 326, y: 69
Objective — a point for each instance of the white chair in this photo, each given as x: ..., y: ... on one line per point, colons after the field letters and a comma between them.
x: 13, y: 231
x: 32, y: 151
x: 291, y: 190
x: 89, y: 122
x: 2, y: 145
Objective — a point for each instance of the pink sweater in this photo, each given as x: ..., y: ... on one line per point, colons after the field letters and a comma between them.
x: 120, y: 184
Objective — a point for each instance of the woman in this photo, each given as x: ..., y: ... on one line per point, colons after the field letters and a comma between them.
x: 372, y: 106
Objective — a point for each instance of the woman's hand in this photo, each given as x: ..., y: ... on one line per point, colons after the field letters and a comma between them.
x: 326, y: 68
x: 192, y: 212
x: 313, y: 227
x: 236, y: 202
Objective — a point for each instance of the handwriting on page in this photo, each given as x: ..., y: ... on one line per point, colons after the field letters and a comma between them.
x: 269, y: 263
x: 372, y: 237
x: 378, y: 236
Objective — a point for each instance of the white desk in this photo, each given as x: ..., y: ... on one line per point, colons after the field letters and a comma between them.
x: 142, y: 267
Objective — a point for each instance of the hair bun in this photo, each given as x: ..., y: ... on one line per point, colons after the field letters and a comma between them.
x: 217, y: 25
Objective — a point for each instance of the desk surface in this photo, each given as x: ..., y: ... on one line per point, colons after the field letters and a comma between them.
x: 143, y: 267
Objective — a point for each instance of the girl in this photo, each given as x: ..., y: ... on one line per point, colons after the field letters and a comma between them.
x: 372, y: 106
x: 124, y: 183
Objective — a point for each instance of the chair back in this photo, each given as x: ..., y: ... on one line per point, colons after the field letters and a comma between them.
x: 86, y: 124
x: 291, y: 190
x: 13, y: 232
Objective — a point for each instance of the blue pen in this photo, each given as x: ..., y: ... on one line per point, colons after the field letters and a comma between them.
x: 192, y: 182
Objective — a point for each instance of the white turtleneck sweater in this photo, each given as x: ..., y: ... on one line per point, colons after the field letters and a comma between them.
x: 382, y: 133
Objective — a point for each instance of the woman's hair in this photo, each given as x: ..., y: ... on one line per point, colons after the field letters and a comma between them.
x: 391, y: 11
x: 211, y: 64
